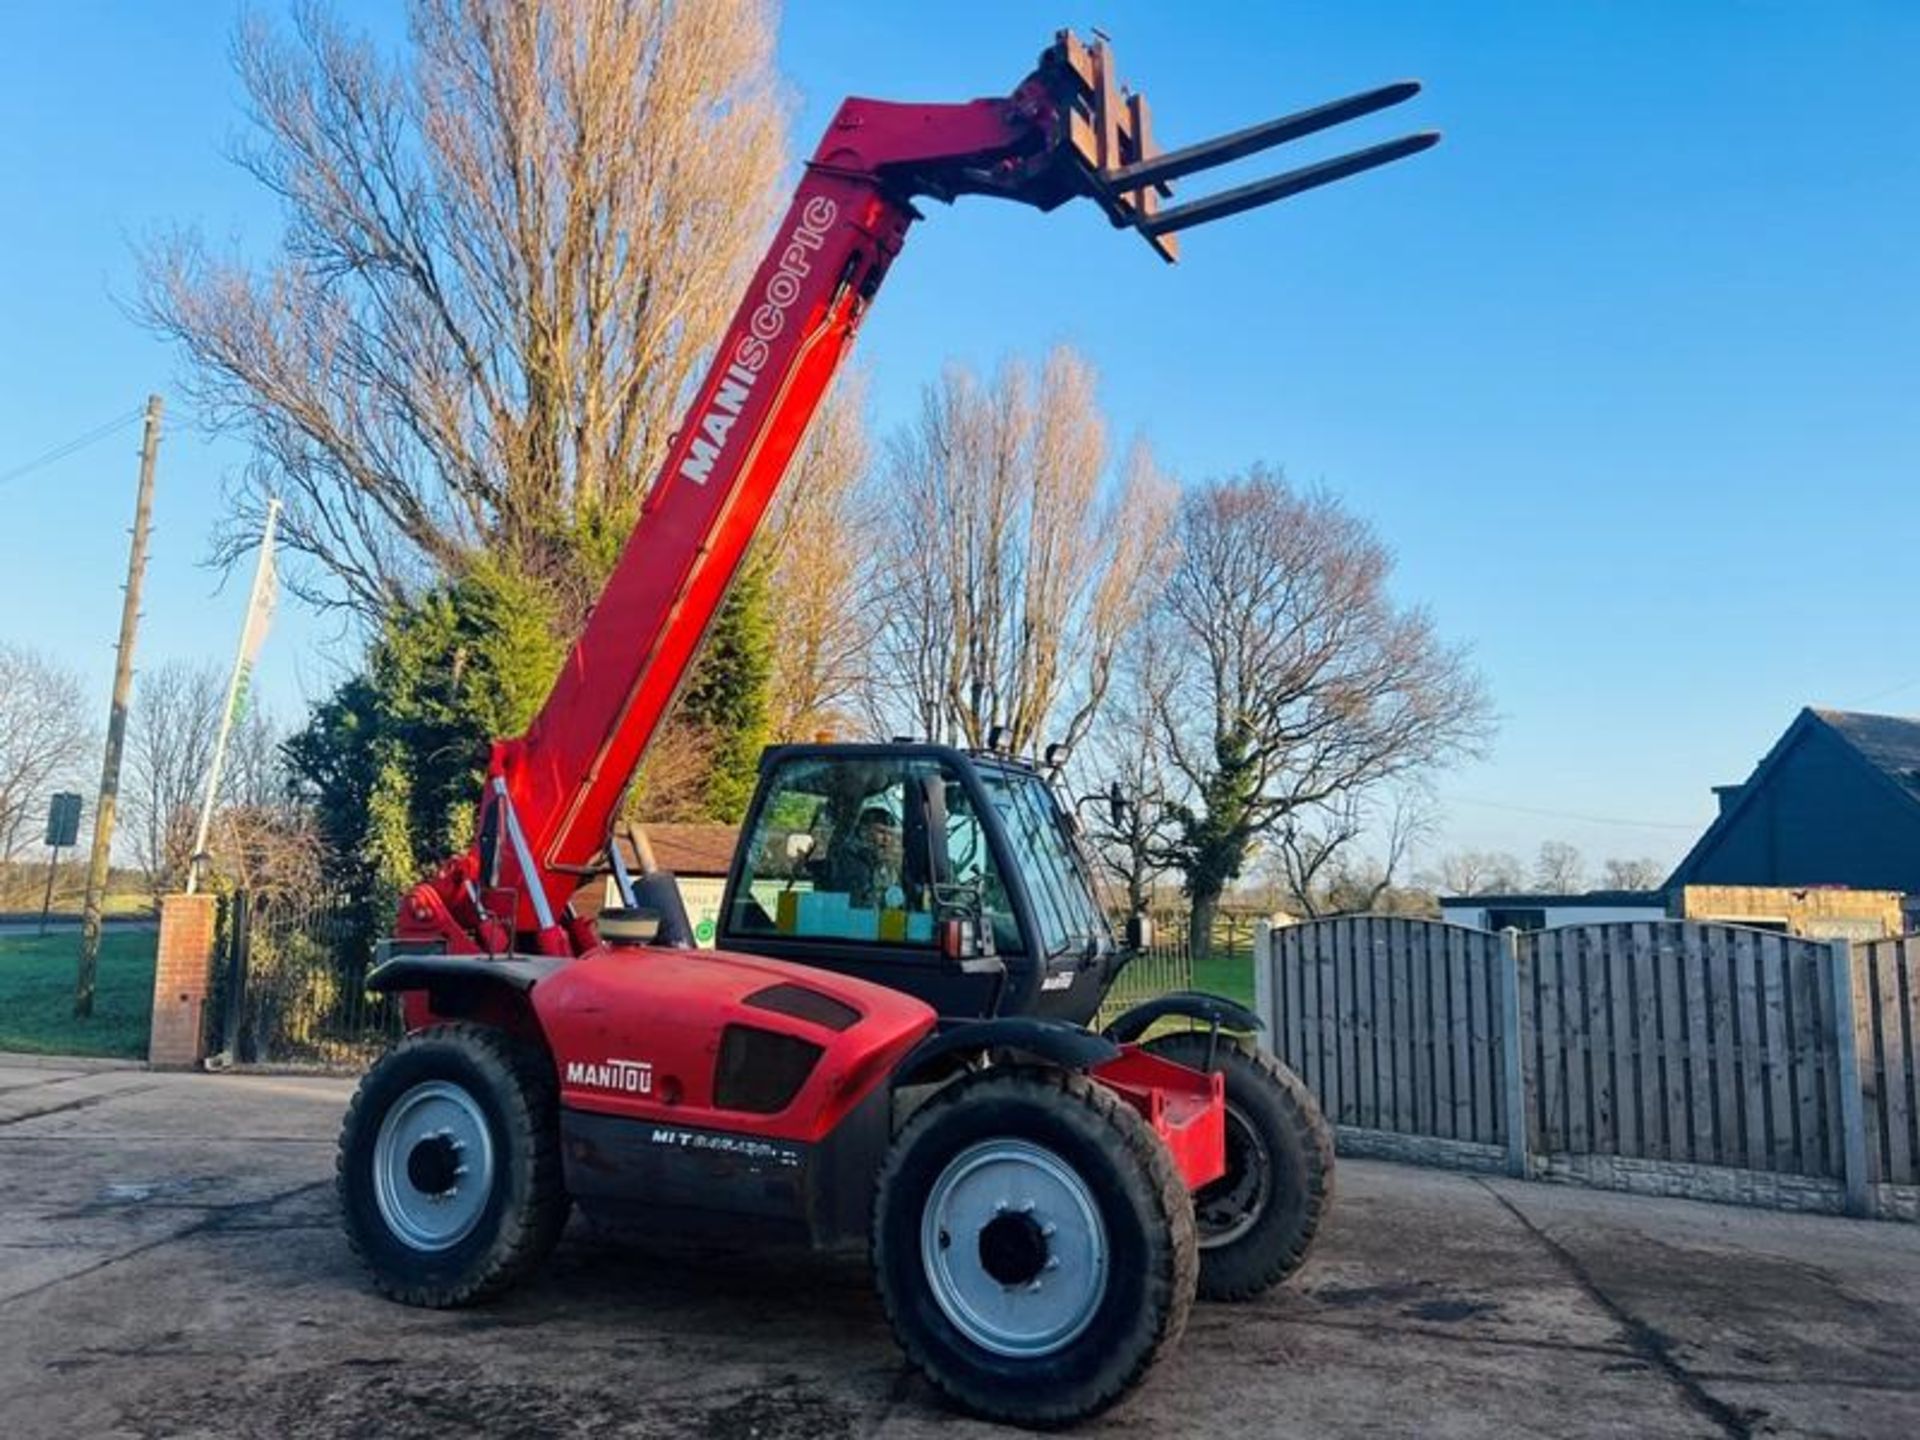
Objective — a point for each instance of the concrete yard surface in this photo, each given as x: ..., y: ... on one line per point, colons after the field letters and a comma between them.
x: 171, y: 1264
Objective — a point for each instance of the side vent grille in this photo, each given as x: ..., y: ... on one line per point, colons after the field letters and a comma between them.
x: 801, y: 1003
x: 761, y: 1071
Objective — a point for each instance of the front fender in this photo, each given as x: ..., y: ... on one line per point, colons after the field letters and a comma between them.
x: 439, y: 988
x: 1190, y: 1004
x: 425, y: 972
x: 1067, y: 1046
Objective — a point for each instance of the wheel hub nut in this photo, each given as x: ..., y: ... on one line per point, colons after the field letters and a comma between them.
x: 1013, y: 1248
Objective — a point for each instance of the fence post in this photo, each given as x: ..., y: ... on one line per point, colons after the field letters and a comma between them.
x: 1263, y: 982
x: 1514, y: 1052
x: 239, y: 953
x: 182, y: 971
x: 1853, y: 1102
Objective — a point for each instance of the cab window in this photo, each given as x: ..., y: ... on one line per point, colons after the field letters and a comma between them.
x: 838, y: 851
x: 970, y: 864
x: 1062, y: 908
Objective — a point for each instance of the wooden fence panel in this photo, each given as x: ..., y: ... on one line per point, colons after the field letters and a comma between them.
x: 1577, y: 1015
x: 1886, y: 977
x: 1370, y: 985
x: 1752, y: 1077
x: 1895, y: 1061
x: 1420, y: 998
x: 1809, y: 1068
x: 1402, y: 960
x: 1676, y: 1104
x: 1695, y: 959
x: 1773, y: 1019
x: 1729, y: 1030
x: 1662, y: 1040
x: 1630, y: 1023
x: 1393, y: 1023
x: 1323, y: 1024
x: 1459, y: 1056
x: 1550, y: 1028
x: 1908, y: 1086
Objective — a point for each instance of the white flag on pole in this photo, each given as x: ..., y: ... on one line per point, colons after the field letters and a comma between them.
x: 260, y: 603
x: 266, y: 595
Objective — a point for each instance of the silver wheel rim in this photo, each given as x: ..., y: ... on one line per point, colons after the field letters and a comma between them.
x: 1014, y: 1249
x: 1228, y: 1208
x: 433, y: 1166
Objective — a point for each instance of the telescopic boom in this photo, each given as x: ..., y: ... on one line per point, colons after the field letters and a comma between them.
x: 1067, y: 130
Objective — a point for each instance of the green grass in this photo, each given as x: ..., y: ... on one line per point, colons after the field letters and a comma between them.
x: 1230, y: 976
x: 36, y: 995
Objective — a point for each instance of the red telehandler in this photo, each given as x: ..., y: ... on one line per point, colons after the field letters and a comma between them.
x: 890, y: 1043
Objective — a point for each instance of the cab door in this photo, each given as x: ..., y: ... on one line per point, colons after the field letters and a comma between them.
x: 849, y: 861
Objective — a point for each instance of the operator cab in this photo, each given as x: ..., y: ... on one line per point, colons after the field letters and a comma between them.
x: 951, y: 876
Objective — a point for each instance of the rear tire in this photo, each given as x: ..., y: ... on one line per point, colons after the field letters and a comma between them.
x: 449, y: 1167
x: 1033, y: 1245
x: 1257, y: 1223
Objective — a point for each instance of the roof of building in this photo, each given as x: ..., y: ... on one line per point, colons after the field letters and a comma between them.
x: 687, y: 849
x: 1536, y: 899
x: 1889, y: 745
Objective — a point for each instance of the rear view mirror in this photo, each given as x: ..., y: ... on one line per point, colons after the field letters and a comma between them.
x: 1140, y: 933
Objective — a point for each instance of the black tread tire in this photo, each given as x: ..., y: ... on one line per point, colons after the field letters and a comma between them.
x: 1153, y: 1264
x: 514, y: 1083
x: 1282, y: 1111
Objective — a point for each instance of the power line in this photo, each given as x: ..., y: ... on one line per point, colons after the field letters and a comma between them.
x: 1890, y: 690
x: 79, y: 442
x: 1571, y: 815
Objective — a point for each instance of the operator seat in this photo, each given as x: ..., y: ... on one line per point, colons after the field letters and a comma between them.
x: 658, y: 915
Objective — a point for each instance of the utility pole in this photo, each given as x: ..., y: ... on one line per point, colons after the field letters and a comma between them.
x: 103, y: 811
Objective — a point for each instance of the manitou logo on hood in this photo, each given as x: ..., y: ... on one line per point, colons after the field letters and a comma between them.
x: 628, y: 1077
x: 751, y: 352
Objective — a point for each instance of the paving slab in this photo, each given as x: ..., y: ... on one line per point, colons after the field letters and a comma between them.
x: 171, y: 1264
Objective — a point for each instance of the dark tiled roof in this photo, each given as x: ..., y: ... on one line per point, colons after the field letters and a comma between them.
x: 1890, y: 743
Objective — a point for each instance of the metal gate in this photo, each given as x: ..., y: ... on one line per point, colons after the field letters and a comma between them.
x: 1167, y: 965
x: 291, y: 983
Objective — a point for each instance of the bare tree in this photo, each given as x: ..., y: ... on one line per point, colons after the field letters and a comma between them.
x: 1012, y: 568
x: 673, y: 784
x: 819, y: 542
x: 1322, y: 859
x: 1477, y: 872
x: 175, y: 723
x: 44, y: 741
x: 1643, y: 873
x: 502, y: 267
x: 1134, y: 841
x: 1302, y: 681
x: 267, y: 848
x: 1560, y: 869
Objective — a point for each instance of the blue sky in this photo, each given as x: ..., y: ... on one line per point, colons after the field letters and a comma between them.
x: 1625, y: 371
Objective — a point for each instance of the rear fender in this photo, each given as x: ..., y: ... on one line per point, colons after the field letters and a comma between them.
x: 1067, y: 1046
x: 1187, y: 1004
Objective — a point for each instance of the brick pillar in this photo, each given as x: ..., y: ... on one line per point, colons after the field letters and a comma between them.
x: 182, y: 975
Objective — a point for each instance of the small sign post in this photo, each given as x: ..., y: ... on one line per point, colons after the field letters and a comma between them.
x: 63, y: 833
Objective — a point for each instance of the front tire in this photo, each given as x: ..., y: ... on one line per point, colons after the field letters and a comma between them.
x: 449, y: 1167
x: 1033, y: 1245
x: 1258, y: 1222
